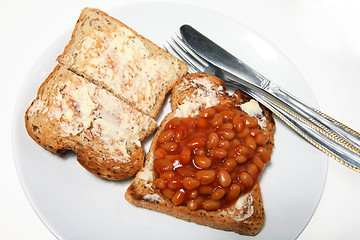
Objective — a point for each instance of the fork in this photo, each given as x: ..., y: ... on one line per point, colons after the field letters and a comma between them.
x: 346, y: 151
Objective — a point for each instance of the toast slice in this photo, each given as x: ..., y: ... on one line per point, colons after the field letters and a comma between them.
x: 107, y: 52
x: 191, y: 95
x: 70, y: 113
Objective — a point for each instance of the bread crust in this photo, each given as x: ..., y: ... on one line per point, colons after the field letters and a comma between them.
x: 142, y: 191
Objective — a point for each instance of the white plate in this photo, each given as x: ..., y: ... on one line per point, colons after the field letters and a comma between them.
x: 75, y: 204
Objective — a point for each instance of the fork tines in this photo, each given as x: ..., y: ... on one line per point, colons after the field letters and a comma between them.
x: 178, y: 48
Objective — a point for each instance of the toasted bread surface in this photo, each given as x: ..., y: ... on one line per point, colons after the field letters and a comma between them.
x: 194, y: 93
x: 70, y: 113
x: 114, y: 56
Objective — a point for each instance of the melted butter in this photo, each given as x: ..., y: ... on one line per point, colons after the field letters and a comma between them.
x: 242, y: 209
x: 146, y: 173
x: 252, y: 108
x: 153, y: 198
x: 206, y: 96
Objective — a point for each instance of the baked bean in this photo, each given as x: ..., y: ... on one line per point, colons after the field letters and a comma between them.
x: 185, y: 155
x: 189, y: 122
x: 202, y: 123
x: 245, y: 132
x: 227, y: 114
x: 173, y: 158
x: 240, y: 159
x: 230, y: 164
x: 245, y: 150
x: 224, y: 178
x: 166, y: 136
x: 218, y: 194
x: 208, y: 113
x: 238, y: 123
x: 254, y: 132
x: 231, y: 153
x: 246, y: 179
x: 178, y: 197
x: 167, y: 175
x: 200, y: 152
x: 170, y: 146
x: 252, y: 170
x: 193, y: 204
x: 218, y: 152
x: 237, y: 111
x: 163, y: 165
x: 210, y: 205
x: 217, y: 120
x: 233, y: 192
x: 264, y: 154
x: 258, y: 162
x: 205, y: 176
x: 261, y: 138
x: 192, y: 194
x: 202, y: 162
x: 197, y: 142
x: 160, y: 183
x: 225, y: 144
x: 226, y: 134
x: 228, y: 125
x: 160, y: 153
x: 205, y: 190
x: 221, y: 107
x: 174, y: 182
x: 213, y: 141
x: 250, y: 142
x: 185, y: 171
x: 179, y: 134
x: 173, y: 123
x: 235, y: 142
x: 167, y: 192
x: 250, y: 122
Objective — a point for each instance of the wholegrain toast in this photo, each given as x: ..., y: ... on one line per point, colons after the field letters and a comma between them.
x: 112, y: 55
x: 70, y: 113
x: 191, y: 95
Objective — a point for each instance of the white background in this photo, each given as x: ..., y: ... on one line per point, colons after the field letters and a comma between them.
x: 322, y: 39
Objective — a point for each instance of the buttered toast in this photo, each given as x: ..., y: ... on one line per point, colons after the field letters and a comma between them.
x: 100, y: 100
x: 183, y: 183
x: 70, y: 113
x: 114, y: 56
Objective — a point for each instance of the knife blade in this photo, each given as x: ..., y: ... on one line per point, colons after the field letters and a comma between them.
x: 219, y: 57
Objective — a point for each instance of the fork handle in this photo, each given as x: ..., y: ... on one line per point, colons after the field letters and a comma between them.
x: 343, y: 133
x: 322, y: 138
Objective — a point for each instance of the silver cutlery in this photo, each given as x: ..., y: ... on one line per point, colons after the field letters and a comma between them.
x: 330, y: 136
